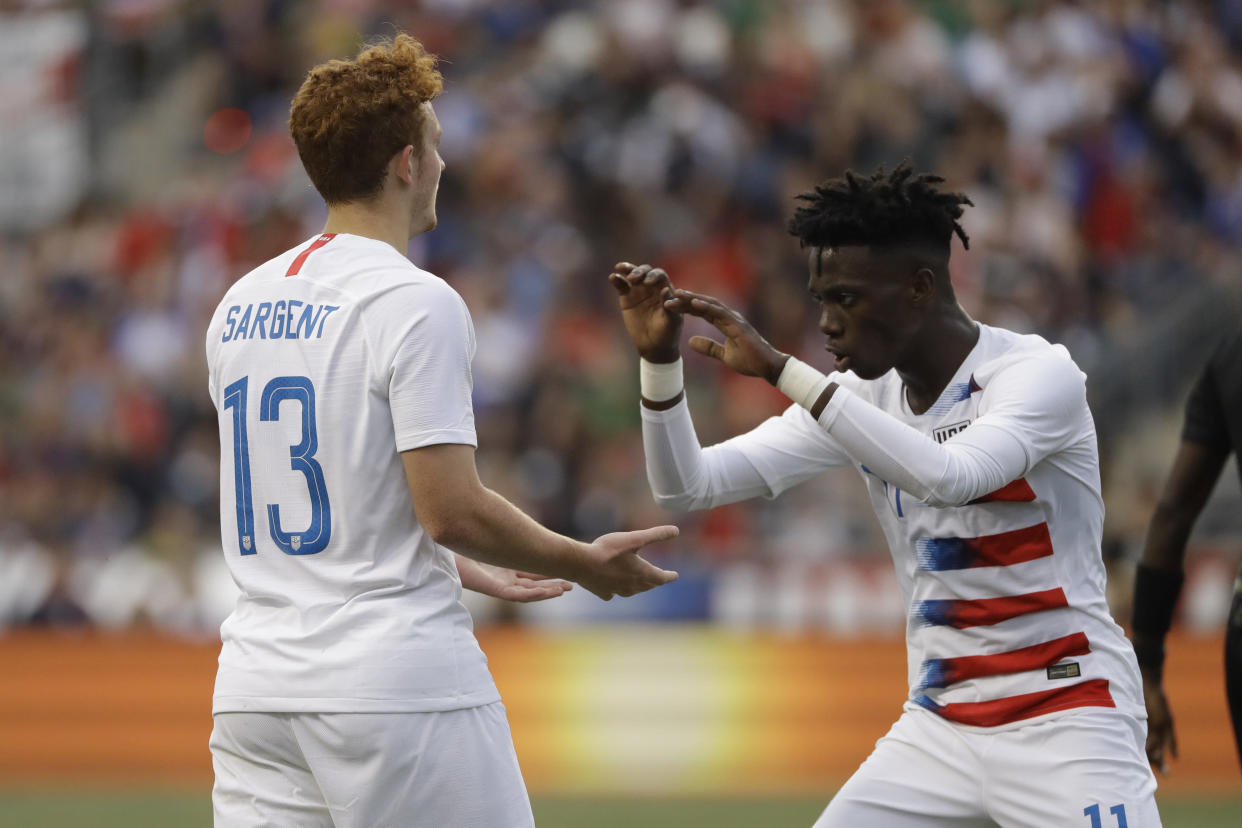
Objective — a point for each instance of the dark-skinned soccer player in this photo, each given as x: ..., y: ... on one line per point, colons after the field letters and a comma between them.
x: 979, y: 452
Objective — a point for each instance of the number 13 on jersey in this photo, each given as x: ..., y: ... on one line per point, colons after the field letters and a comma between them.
x: 301, y: 458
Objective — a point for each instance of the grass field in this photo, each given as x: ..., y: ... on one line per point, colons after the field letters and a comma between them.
x: 70, y: 809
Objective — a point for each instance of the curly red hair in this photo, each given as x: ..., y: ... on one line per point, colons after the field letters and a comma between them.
x: 350, y: 116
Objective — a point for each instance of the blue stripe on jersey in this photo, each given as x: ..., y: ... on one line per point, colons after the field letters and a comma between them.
x: 1003, y: 549
x: 982, y: 612
x: 937, y: 612
x: 940, y: 554
x: 933, y: 674
x: 954, y: 394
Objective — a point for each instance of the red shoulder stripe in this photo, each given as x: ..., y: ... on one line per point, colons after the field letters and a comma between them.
x: 301, y: 259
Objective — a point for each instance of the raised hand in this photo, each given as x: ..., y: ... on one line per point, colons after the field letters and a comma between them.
x: 655, y: 330
x: 743, y: 350
x: 617, y: 567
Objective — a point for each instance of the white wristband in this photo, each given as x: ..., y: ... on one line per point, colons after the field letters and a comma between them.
x: 660, y: 381
x: 802, y: 383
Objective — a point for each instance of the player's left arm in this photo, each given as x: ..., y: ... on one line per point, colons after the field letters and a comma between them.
x: 1201, y: 456
x: 1158, y: 582
x: 1033, y: 407
x: 1031, y: 410
x: 507, y: 584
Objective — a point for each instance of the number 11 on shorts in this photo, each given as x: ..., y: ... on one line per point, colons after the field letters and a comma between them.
x: 1118, y: 811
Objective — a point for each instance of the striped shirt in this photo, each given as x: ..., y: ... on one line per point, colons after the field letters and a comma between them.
x: 990, y: 503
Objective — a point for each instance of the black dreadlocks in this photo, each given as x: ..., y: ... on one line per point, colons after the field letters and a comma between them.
x: 883, y: 210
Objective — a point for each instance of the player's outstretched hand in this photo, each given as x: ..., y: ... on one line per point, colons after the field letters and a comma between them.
x: 641, y: 291
x: 743, y: 350
x: 508, y: 584
x: 1160, y: 734
x: 617, y: 568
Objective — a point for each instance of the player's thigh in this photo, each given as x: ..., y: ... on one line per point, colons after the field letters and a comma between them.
x: 262, y: 780
x: 921, y: 774
x: 1084, y: 769
x: 1233, y: 666
x: 417, y: 770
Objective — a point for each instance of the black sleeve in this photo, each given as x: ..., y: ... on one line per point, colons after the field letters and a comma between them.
x: 1206, y: 421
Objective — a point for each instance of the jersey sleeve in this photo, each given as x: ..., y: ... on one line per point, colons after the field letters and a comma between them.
x: 1039, y: 402
x: 765, y: 461
x: 1033, y: 408
x: 1205, y: 421
x: 428, y: 371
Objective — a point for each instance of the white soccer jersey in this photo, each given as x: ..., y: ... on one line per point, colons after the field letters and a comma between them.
x: 1004, y: 583
x: 324, y: 364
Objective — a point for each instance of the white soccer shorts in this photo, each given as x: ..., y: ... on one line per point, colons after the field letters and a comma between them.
x: 368, y: 770
x: 1086, y: 769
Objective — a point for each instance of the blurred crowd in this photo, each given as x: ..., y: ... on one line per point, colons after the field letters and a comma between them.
x: 145, y: 164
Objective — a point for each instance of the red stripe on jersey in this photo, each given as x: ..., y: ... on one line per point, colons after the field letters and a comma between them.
x: 1017, y: 491
x: 1004, y: 549
x: 1018, y: 546
x: 983, y: 612
x: 942, y: 672
x: 301, y: 259
x: 1091, y: 693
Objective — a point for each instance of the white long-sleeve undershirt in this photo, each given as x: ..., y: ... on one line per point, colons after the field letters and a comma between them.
x: 979, y: 460
x: 1028, y: 416
x: 684, y: 476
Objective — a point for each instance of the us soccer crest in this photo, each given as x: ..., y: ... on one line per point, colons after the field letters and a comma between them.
x: 296, y: 542
x: 246, y: 542
x: 945, y: 432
